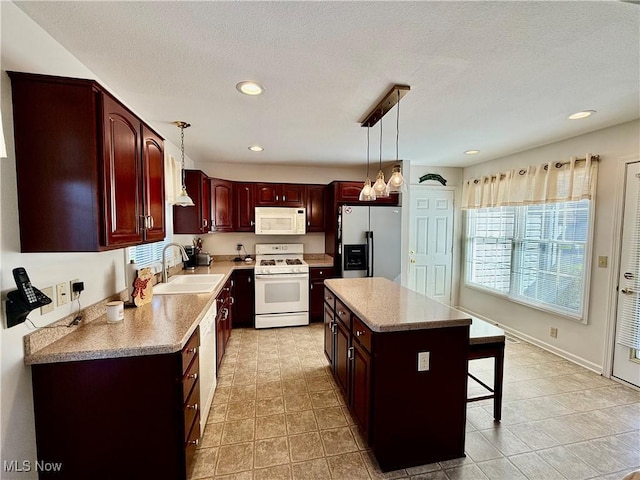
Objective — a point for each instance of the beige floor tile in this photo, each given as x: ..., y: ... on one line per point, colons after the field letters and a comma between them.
x: 268, y: 376
x: 325, y: 398
x: 212, y: 435
x: 279, y: 472
x: 376, y: 473
x: 500, y: 468
x: 295, y: 386
x: 330, y: 417
x: 349, y: 466
x: 240, y: 393
x: 311, y: 470
x: 238, y: 431
x: 338, y: 440
x: 269, y: 389
x: 204, y: 463
x: 241, y: 410
x: 246, y: 475
x: 297, y: 403
x: 300, y: 422
x: 305, y: 446
x: 567, y: 463
x: 319, y: 383
x: 269, y: 406
x: 534, y: 467
x: 271, y: 451
x: 221, y: 395
x: 234, y: 458
x: 270, y: 426
x: 465, y: 472
x: 217, y: 413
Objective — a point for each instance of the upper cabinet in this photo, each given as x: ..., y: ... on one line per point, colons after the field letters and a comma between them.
x: 279, y: 195
x: 196, y: 219
x: 315, y: 208
x: 221, y: 205
x: 349, y: 192
x: 245, y: 214
x: 90, y: 174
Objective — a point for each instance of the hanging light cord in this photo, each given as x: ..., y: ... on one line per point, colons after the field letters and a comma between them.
x: 368, y: 151
x: 182, y: 150
x: 397, y: 125
x: 380, y: 164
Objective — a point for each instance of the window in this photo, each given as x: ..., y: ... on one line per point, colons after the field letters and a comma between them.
x: 147, y: 254
x: 534, y: 254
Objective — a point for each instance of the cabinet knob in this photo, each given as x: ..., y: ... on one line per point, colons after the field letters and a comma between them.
x: 308, y: 223
x: 252, y: 223
x: 188, y: 406
x: 342, y: 313
x: 359, y: 333
x: 193, y: 376
x: 194, y: 442
x: 191, y: 351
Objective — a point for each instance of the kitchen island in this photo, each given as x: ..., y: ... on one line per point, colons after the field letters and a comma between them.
x: 400, y: 359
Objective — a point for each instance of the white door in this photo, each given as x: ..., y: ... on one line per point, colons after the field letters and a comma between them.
x: 626, y: 356
x: 431, y: 242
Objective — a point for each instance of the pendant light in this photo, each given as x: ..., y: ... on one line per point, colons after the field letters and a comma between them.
x: 184, y: 200
x: 367, y: 194
x: 380, y: 187
x: 396, y: 182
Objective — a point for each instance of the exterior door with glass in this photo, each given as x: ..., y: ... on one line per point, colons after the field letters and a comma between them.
x: 626, y: 357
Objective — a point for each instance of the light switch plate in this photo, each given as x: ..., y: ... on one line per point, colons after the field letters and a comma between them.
x: 62, y: 294
x: 423, y: 361
x: 602, y: 262
x: 47, y: 308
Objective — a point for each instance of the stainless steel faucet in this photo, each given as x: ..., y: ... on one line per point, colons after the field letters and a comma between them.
x: 185, y: 257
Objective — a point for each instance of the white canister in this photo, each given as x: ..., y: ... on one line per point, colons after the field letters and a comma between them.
x: 115, y: 311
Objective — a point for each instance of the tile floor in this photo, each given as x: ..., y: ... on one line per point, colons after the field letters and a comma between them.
x: 278, y: 414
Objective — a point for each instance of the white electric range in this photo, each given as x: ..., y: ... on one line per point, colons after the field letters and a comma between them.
x: 281, y: 285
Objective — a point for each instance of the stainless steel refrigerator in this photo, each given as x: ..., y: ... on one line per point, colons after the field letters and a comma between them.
x: 369, y: 241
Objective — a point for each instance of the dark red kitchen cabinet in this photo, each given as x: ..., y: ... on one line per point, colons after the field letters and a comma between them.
x: 361, y: 386
x: 196, y: 219
x: 279, y: 195
x: 329, y: 333
x: 341, y: 357
x: 315, y: 208
x: 153, y: 178
x: 244, y: 299
x: 349, y: 192
x: 84, y: 169
x: 317, y: 276
x: 221, y: 205
x: 244, y: 217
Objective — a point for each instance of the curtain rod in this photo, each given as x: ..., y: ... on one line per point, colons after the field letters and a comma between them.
x: 594, y: 158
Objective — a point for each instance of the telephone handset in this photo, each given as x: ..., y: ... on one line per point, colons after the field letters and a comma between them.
x: 31, y: 295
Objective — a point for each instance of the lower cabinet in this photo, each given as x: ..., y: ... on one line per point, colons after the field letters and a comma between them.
x: 244, y: 299
x: 130, y: 417
x: 224, y: 319
x: 317, y: 276
x: 407, y: 417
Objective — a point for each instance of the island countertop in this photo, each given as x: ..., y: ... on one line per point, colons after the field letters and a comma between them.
x: 385, y: 306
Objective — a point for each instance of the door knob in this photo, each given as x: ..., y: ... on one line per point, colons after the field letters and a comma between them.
x: 627, y: 291
x: 628, y: 275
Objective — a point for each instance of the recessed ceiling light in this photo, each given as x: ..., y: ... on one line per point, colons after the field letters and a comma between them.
x: 583, y: 114
x: 256, y: 148
x: 472, y: 152
x: 250, y: 88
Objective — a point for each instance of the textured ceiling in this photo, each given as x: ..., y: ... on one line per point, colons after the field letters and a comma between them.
x: 499, y: 77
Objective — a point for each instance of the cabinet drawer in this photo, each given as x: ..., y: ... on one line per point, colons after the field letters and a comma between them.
x: 191, y: 443
x: 190, y: 378
x: 192, y: 409
x: 362, y: 333
x: 329, y: 298
x: 343, y: 314
x: 190, y: 350
x: 321, y: 272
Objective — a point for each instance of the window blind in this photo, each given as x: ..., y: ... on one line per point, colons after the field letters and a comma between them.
x: 628, y: 333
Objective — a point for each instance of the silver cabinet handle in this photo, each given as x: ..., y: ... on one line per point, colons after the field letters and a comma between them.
x: 252, y: 223
x: 308, y: 223
x: 333, y: 327
x: 284, y: 198
x: 350, y: 353
x: 276, y: 198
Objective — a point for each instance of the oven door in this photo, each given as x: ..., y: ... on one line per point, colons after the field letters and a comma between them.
x: 282, y: 293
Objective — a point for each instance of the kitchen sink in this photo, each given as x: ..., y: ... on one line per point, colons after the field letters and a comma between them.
x: 197, y: 283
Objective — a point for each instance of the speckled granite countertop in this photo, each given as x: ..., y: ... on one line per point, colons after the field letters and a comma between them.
x: 385, y: 306
x: 162, y: 326
x: 319, y: 260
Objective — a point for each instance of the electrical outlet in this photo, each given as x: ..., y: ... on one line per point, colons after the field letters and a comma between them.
x: 73, y: 294
x: 62, y: 294
x: 47, y: 308
x: 553, y: 332
x: 423, y: 361
x: 239, y: 246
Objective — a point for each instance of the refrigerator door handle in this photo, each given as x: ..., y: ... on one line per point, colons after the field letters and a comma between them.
x: 370, y: 265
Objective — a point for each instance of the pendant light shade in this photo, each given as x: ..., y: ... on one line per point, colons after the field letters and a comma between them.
x: 367, y: 194
x: 184, y: 200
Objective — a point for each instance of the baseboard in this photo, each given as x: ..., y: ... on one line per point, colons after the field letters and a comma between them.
x: 538, y: 343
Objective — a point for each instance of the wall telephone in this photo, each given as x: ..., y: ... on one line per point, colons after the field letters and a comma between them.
x: 22, y: 301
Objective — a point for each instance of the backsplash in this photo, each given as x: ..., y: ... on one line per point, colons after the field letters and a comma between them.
x: 225, y: 243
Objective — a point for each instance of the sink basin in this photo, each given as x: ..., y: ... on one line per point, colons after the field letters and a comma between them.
x: 205, y: 283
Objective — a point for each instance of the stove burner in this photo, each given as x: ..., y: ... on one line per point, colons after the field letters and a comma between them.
x: 267, y: 262
x: 293, y: 261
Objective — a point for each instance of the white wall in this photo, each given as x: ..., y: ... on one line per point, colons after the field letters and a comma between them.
x: 582, y: 343
x: 26, y: 47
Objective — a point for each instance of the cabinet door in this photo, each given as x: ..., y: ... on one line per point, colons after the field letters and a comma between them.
x: 221, y: 205
x: 153, y: 178
x: 329, y: 333
x: 361, y: 387
x: 293, y: 195
x: 267, y: 194
x: 122, y: 175
x: 244, y: 215
x: 341, y: 360
x: 348, y: 191
x: 315, y: 208
x: 244, y: 295
x: 316, y: 298
x: 220, y: 319
x: 194, y: 219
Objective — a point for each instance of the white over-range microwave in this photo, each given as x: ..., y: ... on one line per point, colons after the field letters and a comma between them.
x: 281, y: 221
